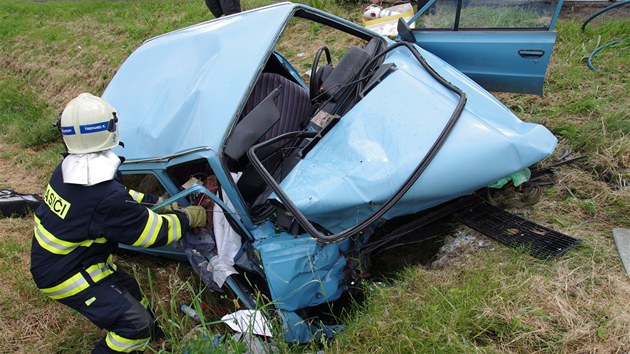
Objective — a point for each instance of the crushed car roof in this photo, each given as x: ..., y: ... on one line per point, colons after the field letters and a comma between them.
x: 181, y: 90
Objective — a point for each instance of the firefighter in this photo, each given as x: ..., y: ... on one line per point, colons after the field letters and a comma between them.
x: 86, y: 213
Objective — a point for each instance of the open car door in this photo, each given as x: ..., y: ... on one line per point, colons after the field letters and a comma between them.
x: 504, y: 45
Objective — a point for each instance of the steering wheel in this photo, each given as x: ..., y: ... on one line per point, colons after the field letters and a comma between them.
x: 316, y: 80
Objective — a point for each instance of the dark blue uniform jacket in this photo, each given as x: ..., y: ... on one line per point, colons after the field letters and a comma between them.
x: 77, y: 229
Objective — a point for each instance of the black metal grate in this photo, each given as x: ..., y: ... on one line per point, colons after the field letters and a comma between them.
x: 513, y: 230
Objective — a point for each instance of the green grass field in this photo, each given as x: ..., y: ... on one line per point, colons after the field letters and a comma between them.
x: 482, y: 299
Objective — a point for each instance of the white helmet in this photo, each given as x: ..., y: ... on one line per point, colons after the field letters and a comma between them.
x: 88, y: 124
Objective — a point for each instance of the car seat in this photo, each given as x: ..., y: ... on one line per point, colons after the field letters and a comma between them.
x: 293, y: 110
x: 293, y: 103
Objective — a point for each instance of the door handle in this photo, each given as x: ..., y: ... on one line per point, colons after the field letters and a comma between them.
x: 531, y: 53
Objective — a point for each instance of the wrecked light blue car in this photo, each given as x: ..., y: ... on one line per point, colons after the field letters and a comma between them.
x: 303, y: 148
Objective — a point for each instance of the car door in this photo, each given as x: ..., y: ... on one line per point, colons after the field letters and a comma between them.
x: 504, y: 45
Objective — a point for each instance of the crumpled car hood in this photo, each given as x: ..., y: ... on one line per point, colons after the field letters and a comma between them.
x: 375, y: 147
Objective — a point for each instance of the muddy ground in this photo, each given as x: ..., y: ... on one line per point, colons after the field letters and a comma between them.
x: 581, y: 10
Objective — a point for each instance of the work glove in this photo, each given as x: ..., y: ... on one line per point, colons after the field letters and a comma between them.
x: 171, y: 207
x: 196, y: 215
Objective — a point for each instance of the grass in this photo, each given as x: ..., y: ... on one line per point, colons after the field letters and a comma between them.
x: 535, y: 15
x: 496, y: 301
x: 22, y: 117
x: 485, y: 299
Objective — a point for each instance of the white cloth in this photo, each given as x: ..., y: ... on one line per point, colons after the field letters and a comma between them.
x: 228, y: 241
x: 90, y: 169
x: 248, y: 321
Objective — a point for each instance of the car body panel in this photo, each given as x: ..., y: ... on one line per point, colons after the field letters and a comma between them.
x: 502, y: 56
x: 495, y: 60
x: 289, y: 273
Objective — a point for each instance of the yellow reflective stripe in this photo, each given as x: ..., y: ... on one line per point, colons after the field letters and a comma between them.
x: 56, y: 245
x: 78, y: 283
x: 174, y: 227
x: 137, y: 196
x: 151, y: 230
x: 71, y: 286
x: 99, y: 271
x: 110, y: 262
x: 50, y: 242
x: 125, y: 345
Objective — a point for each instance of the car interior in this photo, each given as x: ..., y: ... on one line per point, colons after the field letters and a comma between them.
x: 279, y: 104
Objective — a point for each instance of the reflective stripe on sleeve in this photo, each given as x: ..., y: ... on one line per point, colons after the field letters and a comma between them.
x: 125, y: 345
x: 137, y: 196
x: 56, y: 245
x: 151, y: 230
x: 174, y: 227
x: 77, y: 283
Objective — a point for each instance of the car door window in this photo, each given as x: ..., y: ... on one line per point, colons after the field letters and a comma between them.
x: 487, y: 14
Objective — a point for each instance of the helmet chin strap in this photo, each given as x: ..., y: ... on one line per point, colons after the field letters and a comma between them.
x: 90, y: 169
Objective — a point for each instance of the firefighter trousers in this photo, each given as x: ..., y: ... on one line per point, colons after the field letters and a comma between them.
x: 114, y: 304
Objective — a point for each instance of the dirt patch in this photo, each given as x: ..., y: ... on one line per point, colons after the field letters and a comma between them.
x: 581, y: 10
x: 15, y: 176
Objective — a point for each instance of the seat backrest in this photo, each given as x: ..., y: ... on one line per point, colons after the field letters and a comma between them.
x: 339, y: 84
x: 293, y: 103
x: 294, y: 108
